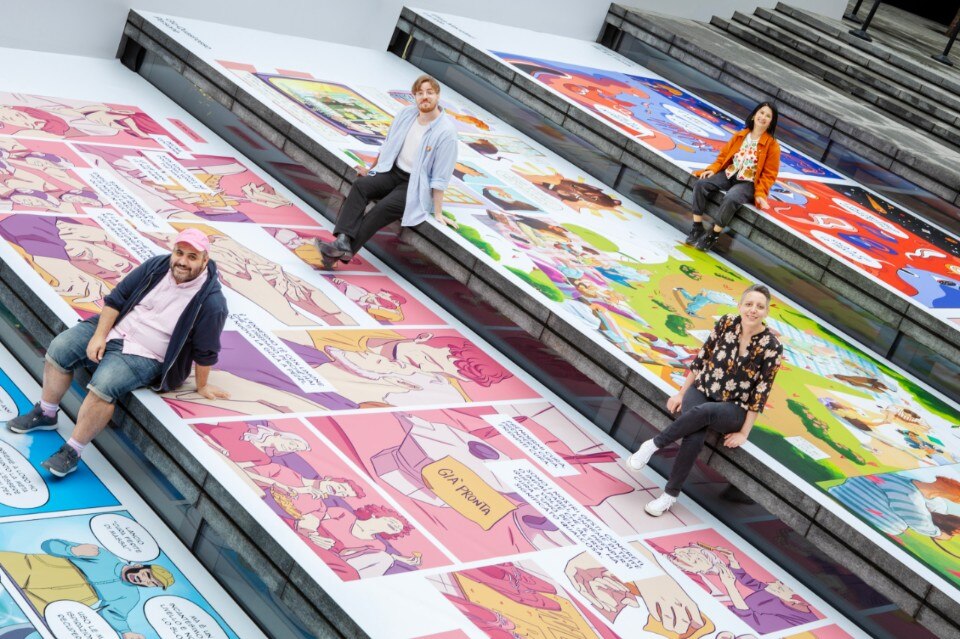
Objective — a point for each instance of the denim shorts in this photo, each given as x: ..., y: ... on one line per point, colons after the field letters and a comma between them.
x: 117, y: 373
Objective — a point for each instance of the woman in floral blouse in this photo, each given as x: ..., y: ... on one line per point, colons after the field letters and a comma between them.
x: 746, y: 168
x: 726, y: 388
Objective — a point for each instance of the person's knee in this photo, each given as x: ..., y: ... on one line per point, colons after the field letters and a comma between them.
x: 704, y: 186
x: 114, y: 378
x: 362, y: 186
x: 66, y: 350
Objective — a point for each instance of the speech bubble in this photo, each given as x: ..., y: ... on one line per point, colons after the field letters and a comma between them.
x: 124, y: 537
x: 72, y: 620
x: 8, y: 407
x: 845, y: 249
x: 21, y: 486
x: 178, y: 618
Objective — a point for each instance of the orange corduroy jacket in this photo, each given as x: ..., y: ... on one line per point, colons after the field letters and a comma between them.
x: 768, y: 160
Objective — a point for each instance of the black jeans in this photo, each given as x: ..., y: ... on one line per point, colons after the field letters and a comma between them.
x: 738, y: 192
x: 390, y: 188
x: 699, y: 413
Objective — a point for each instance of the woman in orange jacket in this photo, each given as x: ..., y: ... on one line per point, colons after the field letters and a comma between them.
x: 746, y: 168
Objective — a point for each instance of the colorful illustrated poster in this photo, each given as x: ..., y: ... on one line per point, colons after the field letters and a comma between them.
x: 380, y: 441
x: 891, y: 245
x: 87, y: 558
x: 627, y: 281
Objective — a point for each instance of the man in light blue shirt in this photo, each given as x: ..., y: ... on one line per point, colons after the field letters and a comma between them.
x: 407, y: 179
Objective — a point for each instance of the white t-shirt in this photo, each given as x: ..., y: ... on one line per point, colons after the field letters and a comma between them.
x: 411, y: 146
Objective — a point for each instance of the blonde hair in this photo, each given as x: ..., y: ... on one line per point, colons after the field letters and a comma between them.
x: 426, y: 77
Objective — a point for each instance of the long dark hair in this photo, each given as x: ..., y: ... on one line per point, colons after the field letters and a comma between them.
x: 772, y: 129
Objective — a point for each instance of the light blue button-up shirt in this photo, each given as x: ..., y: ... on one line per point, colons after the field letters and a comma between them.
x: 433, y: 166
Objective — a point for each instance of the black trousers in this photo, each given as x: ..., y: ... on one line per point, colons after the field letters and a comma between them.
x: 738, y: 192
x: 389, y: 189
x: 698, y: 414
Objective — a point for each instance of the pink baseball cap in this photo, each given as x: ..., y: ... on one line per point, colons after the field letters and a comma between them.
x: 193, y: 237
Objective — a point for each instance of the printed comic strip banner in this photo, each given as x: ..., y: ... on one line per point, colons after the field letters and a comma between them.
x: 379, y: 440
x: 894, y: 246
x: 627, y: 280
x: 86, y: 557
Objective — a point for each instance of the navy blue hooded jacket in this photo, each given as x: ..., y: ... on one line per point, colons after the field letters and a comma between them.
x: 196, y: 336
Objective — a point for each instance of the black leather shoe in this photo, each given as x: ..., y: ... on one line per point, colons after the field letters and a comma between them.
x: 708, y: 241
x: 339, y: 249
x: 696, y: 232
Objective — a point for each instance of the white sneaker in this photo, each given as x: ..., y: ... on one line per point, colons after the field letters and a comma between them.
x: 639, y: 459
x: 660, y: 505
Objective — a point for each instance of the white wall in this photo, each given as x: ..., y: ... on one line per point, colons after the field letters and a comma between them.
x: 93, y: 27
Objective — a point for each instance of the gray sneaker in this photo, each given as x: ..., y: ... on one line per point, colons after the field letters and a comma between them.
x: 34, y: 420
x: 63, y: 462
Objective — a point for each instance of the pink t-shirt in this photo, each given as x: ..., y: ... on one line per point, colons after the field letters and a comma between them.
x: 146, y: 330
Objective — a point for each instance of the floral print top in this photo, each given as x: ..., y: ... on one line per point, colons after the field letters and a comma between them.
x: 724, y: 376
x: 744, y: 164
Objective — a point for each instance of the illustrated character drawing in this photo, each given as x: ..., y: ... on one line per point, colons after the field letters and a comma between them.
x: 87, y: 574
x: 81, y: 262
x: 348, y: 532
x: 765, y: 607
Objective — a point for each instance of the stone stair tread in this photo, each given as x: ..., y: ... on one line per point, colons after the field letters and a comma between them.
x: 909, y: 75
x: 940, y: 121
x: 887, y: 46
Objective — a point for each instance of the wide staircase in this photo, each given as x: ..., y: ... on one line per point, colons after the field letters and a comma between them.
x: 894, y: 72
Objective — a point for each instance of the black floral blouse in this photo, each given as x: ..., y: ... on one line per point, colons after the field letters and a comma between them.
x: 724, y: 376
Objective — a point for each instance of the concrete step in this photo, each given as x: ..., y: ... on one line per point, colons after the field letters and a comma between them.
x: 863, y: 84
x: 907, y: 55
x: 837, y: 52
x: 898, y: 83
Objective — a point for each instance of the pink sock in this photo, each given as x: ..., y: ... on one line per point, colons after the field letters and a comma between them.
x: 77, y: 446
x: 49, y: 410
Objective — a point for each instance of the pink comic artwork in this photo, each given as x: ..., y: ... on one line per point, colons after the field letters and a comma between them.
x: 300, y: 242
x: 39, y: 117
x: 405, y: 367
x: 400, y: 450
x: 748, y: 590
x: 366, y: 368
x: 310, y: 488
x: 518, y: 599
x: 205, y: 187
x: 384, y: 300
x: 39, y: 175
x: 74, y: 255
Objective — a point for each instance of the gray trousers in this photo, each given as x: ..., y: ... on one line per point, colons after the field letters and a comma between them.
x: 699, y: 413
x: 738, y: 192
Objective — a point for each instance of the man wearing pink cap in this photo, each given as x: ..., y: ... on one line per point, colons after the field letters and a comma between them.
x: 163, y: 317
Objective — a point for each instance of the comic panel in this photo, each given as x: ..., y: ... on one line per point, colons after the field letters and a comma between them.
x: 46, y: 176
x: 384, y: 300
x: 481, y: 515
x: 102, y: 575
x: 919, y: 509
x: 269, y: 283
x: 518, y: 598
x: 761, y: 600
x: 333, y: 509
x: 26, y: 488
x: 920, y: 262
x: 33, y: 116
x: 309, y: 371
x: 77, y: 257
x: 199, y: 187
